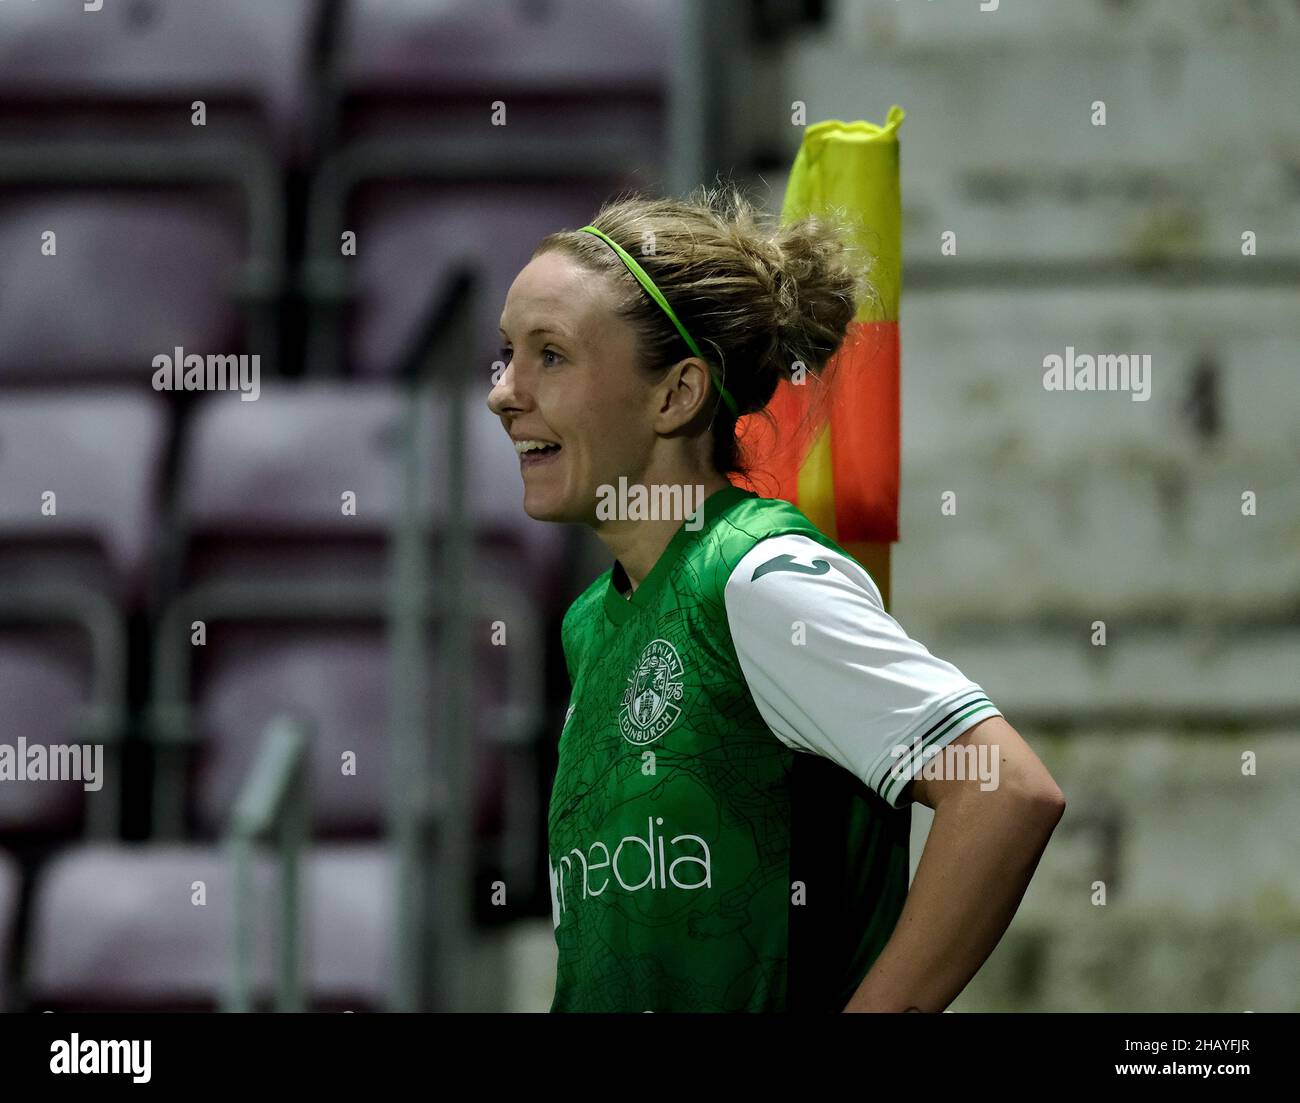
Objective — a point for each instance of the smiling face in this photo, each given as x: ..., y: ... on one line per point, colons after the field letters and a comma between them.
x: 572, y: 381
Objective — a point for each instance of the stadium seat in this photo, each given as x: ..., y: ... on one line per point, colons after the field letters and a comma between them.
x: 337, y: 678
x: 418, y: 238
x: 424, y: 179
x: 261, y: 484
x: 294, y: 594
x: 10, y: 888
x: 135, y: 276
x: 165, y: 233
x: 46, y: 690
x: 604, y: 45
x: 118, y: 927
x: 100, y: 452
x: 79, y: 477
x: 561, y: 67
x: 138, y: 66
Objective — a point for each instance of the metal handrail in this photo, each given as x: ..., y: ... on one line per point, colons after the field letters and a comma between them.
x: 273, y: 799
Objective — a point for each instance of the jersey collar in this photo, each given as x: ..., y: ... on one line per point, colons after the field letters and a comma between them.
x: 620, y: 609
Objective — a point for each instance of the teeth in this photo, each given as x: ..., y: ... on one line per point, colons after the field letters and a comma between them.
x: 522, y: 446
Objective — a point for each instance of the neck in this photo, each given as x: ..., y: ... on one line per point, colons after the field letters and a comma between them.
x: 638, y: 544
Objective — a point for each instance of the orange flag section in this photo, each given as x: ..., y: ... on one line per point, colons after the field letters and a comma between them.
x: 864, y: 435
x: 839, y: 462
x: 842, y: 468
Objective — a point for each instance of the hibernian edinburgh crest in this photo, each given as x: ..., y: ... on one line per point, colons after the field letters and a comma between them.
x: 648, y: 703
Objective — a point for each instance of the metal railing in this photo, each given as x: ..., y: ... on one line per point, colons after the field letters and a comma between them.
x: 273, y: 801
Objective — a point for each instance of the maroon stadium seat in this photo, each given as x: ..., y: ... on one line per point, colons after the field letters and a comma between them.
x: 261, y: 483
x: 46, y: 686
x: 260, y: 488
x: 426, y: 182
x: 417, y: 239
x: 167, y: 234
x: 135, y: 276
x: 337, y: 679
x: 66, y: 580
x: 10, y: 887
x: 608, y: 49
x: 101, y: 452
x: 62, y: 64
x: 115, y: 927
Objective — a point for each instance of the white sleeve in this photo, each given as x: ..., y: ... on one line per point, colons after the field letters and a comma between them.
x: 849, y: 684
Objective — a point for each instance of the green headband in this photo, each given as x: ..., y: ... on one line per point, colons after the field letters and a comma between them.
x: 645, y: 281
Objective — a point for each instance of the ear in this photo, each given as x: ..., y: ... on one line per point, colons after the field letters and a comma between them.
x: 683, y: 396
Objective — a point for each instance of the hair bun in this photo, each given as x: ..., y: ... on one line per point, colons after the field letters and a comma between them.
x: 816, y: 286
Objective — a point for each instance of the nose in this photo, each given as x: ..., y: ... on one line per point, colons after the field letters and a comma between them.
x: 502, y: 398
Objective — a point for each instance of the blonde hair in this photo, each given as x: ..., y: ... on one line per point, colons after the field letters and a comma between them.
x: 759, y: 297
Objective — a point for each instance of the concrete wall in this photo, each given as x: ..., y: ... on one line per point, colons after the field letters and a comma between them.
x: 1080, y: 507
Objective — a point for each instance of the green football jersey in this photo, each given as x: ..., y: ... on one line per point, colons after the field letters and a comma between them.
x: 729, y: 823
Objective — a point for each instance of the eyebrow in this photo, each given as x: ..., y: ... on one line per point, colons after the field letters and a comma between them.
x: 539, y: 329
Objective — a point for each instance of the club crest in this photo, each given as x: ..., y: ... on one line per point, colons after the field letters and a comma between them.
x: 649, y: 702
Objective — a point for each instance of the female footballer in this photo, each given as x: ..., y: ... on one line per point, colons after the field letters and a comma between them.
x: 728, y: 828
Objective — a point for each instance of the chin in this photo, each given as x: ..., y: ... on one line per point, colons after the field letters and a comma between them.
x: 545, y: 508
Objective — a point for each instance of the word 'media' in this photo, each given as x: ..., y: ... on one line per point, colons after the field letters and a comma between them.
x: 53, y: 762
x: 647, y: 860
x: 656, y: 502
x: 1106, y: 372
x: 193, y: 372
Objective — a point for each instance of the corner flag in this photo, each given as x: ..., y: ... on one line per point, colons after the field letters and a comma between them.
x: 842, y: 469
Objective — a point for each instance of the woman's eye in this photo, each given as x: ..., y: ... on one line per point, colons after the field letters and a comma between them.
x: 505, y: 352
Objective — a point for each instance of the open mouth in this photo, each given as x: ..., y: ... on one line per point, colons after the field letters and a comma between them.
x: 533, y: 457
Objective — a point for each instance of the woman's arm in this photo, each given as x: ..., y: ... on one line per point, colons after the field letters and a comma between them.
x: 981, y: 852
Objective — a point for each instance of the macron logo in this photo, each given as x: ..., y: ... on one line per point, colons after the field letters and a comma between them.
x: 787, y: 563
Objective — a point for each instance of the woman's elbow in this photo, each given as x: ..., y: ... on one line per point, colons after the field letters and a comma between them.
x: 1045, y: 803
